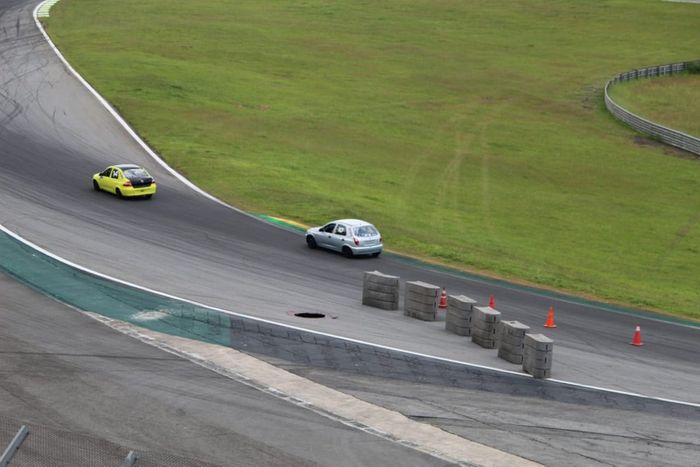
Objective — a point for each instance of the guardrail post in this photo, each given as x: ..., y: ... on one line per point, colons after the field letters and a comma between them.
x: 13, y: 446
x: 130, y: 459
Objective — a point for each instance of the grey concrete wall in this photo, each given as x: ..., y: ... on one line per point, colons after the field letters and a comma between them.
x: 667, y: 135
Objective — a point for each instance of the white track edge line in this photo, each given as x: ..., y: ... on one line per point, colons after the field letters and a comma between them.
x: 324, y: 334
x: 194, y: 187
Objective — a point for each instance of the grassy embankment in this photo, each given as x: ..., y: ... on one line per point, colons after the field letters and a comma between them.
x: 472, y: 133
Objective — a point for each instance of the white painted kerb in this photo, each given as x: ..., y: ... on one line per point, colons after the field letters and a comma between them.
x: 43, y: 9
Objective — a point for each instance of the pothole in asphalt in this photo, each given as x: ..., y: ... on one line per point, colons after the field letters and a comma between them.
x: 310, y: 315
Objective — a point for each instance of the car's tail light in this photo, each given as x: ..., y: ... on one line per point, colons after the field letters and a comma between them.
x: 127, y: 183
x: 357, y: 242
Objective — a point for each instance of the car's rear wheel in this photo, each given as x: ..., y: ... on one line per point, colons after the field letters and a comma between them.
x: 96, y: 185
x: 347, y: 252
x: 311, y: 242
x: 148, y: 196
x: 376, y: 254
x: 118, y: 192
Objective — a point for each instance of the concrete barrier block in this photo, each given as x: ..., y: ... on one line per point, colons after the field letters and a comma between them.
x: 423, y: 288
x: 457, y: 329
x: 482, y: 341
x: 512, y: 357
x: 514, y: 328
x: 511, y: 347
x: 539, y: 342
x: 419, y: 307
x: 460, y: 302
x: 387, y: 297
x: 459, y: 310
x: 419, y: 298
x: 510, y: 333
x: 384, y: 301
x: 458, y: 315
x: 484, y: 333
x: 376, y: 277
x: 485, y: 313
x: 380, y: 290
x: 534, y: 360
x: 511, y: 341
x: 484, y: 325
x: 374, y: 287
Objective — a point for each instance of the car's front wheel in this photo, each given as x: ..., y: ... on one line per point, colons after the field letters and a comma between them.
x: 311, y: 242
x: 376, y: 254
x: 347, y: 252
x: 95, y: 185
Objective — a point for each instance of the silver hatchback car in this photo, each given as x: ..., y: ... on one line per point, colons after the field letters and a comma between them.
x: 349, y: 236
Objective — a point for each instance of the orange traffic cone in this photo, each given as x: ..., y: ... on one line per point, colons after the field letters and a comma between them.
x: 443, y: 299
x: 637, y: 339
x: 492, y: 302
x: 550, y: 318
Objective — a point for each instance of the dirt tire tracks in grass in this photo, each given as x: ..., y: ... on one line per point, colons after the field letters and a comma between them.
x: 450, y: 192
x: 449, y: 178
x: 418, y: 162
x: 486, y: 164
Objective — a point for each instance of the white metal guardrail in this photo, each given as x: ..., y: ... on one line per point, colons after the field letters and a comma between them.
x: 667, y: 135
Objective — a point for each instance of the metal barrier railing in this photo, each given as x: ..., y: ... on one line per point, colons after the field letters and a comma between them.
x: 14, y: 445
x: 667, y: 135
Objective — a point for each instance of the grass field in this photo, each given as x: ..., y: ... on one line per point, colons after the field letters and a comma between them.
x: 471, y: 132
x: 659, y: 100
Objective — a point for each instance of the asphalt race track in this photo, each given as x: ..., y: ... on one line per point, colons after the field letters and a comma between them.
x: 54, y: 135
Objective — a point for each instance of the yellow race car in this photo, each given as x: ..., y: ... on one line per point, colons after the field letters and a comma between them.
x: 125, y: 180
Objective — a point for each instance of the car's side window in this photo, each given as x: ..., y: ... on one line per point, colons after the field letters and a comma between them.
x: 340, y: 230
x: 329, y: 228
x: 115, y: 173
x: 106, y: 172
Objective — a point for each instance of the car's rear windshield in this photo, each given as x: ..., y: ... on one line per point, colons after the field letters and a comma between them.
x: 365, y: 231
x: 137, y: 172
